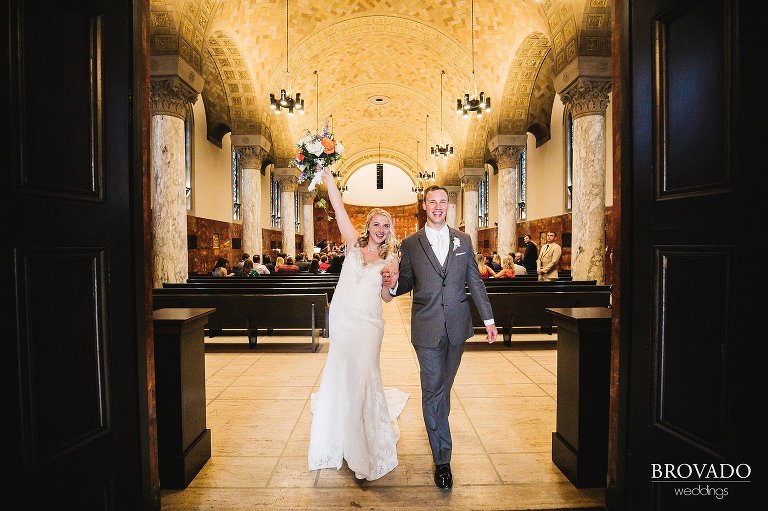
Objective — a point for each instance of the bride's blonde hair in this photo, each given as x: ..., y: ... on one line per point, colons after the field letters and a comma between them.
x: 389, y: 243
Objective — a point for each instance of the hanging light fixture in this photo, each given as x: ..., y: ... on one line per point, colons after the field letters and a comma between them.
x: 473, y: 102
x: 286, y: 100
x: 425, y: 175
x: 440, y: 150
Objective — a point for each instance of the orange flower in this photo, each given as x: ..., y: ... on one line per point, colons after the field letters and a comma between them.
x: 329, y: 145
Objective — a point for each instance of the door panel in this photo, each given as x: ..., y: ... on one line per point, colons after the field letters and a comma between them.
x: 692, y: 194
x: 71, y: 185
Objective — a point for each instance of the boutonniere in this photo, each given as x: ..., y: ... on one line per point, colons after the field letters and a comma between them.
x: 456, y: 242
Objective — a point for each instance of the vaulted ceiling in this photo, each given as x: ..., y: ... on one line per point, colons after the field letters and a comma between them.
x: 395, y: 49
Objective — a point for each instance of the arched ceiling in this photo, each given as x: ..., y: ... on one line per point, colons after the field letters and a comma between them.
x: 391, y: 48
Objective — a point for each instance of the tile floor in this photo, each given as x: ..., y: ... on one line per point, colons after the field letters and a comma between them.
x: 502, y: 420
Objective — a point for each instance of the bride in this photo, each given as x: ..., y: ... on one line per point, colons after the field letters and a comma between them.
x: 353, y: 418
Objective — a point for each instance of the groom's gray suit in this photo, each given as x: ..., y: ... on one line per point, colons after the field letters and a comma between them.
x: 440, y: 322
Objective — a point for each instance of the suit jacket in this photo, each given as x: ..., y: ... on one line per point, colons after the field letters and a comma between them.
x: 549, y: 259
x: 530, y: 257
x: 439, y: 292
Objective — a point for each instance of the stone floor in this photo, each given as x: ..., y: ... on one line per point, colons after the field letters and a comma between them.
x: 502, y: 419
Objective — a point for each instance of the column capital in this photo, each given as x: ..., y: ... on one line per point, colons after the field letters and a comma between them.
x: 507, y: 155
x: 587, y: 96
x: 288, y: 177
x: 471, y: 177
x: 170, y: 96
x: 250, y: 157
x: 453, y: 193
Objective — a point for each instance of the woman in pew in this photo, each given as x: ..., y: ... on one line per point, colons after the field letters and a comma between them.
x: 288, y: 267
x: 486, y: 271
x: 249, y: 270
x: 314, y: 266
x: 507, y: 268
x: 350, y: 412
x: 220, y: 270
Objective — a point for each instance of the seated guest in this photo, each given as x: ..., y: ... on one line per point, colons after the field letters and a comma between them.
x: 220, y: 270
x: 288, y: 267
x: 302, y: 263
x: 324, y: 263
x: 238, y: 269
x: 268, y: 264
x: 518, y: 264
x: 507, y: 268
x: 496, y: 262
x: 335, y: 264
x: 486, y: 271
x: 314, y: 266
x: 279, y: 262
x: 249, y: 270
x: 263, y: 270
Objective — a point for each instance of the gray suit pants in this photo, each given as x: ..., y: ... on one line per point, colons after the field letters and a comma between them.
x: 438, y: 367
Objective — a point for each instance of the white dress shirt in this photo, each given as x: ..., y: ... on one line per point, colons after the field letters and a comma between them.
x: 439, y: 241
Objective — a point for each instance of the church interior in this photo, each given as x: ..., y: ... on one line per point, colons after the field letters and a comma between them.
x: 535, y: 116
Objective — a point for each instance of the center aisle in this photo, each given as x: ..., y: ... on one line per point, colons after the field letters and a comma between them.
x: 502, y: 420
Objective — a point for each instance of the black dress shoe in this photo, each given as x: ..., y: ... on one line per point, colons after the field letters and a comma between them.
x: 443, y: 476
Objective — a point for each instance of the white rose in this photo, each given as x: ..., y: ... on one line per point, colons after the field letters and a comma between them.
x: 339, y: 148
x: 315, y: 147
x: 306, y: 140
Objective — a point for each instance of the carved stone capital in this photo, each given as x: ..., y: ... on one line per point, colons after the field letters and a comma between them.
x: 471, y: 183
x: 587, y: 96
x: 288, y: 183
x: 507, y: 156
x: 307, y: 198
x: 453, y: 193
x: 250, y: 157
x: 170, y: 96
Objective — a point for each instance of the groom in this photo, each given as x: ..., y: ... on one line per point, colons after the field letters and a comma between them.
x: 437, y: 262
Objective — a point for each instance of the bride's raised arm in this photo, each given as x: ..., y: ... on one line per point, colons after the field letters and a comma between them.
x: 346, y: 228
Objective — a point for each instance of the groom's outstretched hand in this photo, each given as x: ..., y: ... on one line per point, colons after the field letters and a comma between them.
x: 492, y: 333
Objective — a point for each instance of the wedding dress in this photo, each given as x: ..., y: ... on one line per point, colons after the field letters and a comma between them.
x: 353, y: 417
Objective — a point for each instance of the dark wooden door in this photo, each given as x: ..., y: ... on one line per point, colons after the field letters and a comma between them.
x: 72, y: 183
x: 691, y: 137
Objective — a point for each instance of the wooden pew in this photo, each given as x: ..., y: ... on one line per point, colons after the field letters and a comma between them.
x: 253, y: 312
x: 244, y: 289
x: 529, y: 308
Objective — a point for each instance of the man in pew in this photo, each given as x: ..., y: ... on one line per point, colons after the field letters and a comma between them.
x: 263, y: 270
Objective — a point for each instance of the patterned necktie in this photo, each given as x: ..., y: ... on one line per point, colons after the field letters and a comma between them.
x: 440, y: 257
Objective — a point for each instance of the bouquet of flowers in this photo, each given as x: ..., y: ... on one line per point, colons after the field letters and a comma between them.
x: 314, y: 152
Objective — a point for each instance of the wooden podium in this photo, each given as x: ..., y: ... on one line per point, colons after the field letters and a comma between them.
x: 184, y: 443
x: 580, y: 444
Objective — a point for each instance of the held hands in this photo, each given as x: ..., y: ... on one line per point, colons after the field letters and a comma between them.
x: 389, y: 276
x: 492, y: 333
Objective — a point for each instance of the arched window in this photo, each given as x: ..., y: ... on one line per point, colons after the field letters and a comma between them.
x: 568, y: 131
x: 236, y: 193
x: 274, y: 200
x: 189, y: 141
x: 482, y: 202
x: 521, y: 184
x: 297, y: 209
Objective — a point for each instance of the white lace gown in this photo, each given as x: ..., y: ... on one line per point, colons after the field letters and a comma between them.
x: 353, y: 417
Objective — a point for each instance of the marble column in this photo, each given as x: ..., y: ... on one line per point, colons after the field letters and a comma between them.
x: 470, y: 181
x: 507, y: 159
x: 289, y: 182
x: 308, y: 219
x: 588, y: 99
x: 250, y: 159
x: 453, y: 197
x: 169, y: 99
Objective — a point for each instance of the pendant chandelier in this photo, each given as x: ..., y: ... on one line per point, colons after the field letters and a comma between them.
x: 286, y: 100
x: 440, y: 150
x: 425, y: 175
x: 473, y: 102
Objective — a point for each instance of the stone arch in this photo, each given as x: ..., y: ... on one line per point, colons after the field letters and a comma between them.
x: 181, y: 27
x: 529, y: 90
x: 563, y: 29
